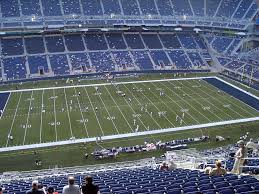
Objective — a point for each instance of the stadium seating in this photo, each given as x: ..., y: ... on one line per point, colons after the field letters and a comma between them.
x: 147, y: 180
x: 79, y: 52
x: 223, y: 13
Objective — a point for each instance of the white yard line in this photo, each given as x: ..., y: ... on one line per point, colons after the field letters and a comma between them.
x: 27, y: 120
x: 225, y: 97
x: 151, y: 91
x: 139, y: 103
x: 186, y: 102
x: 236, y: 99
x: 42, y: 103
x: 207, y: 100
x: 175, y: 102
x: 155, y: 106
x: 109, y: 114
x: 82, y: 115
x: 134, y: 112
x: 5, y: 105
x: 128, y: 135
x: 15, y: 113
x: 94, y: 112
x: 55, y: 113
x: 221, y: 119
x: 69, y: 120
x: 119, y: 109
x: 107, y: 84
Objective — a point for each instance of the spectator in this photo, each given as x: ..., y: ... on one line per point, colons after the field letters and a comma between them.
x: 164, y: 166
x: 240, y: 156
x: 71, y: 188
x: 207, y: 170
x: 1, y: 190
x: 35, y: 189
x: 51, y: 190
x: 40, y: 187
x: 218, y: 171
x: 89, y: 187
x: 171, y: 165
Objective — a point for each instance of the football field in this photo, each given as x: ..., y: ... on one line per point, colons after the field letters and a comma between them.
x: 99, y: 110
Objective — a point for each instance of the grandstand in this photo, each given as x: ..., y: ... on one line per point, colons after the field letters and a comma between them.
x: 101, y: 82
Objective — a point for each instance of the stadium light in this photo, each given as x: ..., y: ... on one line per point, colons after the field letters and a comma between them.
x: 178, y: 29
x: 197, y: 30
x: 33, y: 18
x: 112, y: 15
x: 105, y: 29
x: 240, y: 33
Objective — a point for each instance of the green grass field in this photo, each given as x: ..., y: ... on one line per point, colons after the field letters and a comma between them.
x: 50, y: 115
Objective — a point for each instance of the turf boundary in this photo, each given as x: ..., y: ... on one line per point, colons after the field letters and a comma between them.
x: 128, y: 135
x: 108, y: 84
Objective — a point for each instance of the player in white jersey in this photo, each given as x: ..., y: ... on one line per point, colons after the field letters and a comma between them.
x: 136, y: 130
x: 134, y: 122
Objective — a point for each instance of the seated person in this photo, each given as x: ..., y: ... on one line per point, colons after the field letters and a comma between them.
x: 207, y: 170
x: 218, y: 171
x: 163, y: 166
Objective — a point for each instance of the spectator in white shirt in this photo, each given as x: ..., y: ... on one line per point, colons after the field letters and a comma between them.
x: 71, y: 188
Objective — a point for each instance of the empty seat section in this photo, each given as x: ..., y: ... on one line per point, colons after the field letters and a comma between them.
x: 187, y: 41
x: 233, y: 46
x: 142, y: 60
x: 37, y: 63
x: 198, y: 7
x: 160, y: 58
x: 59, y: 64
x: 55, y: 44
x: 251, y: 12
x: 130, y: 7
x: 92, y: 7
x: 227, y: 8
x: 12, y: 46
x: 152, y: 41
x: 148, y: 7
x: 30, y: 7
x: 95, y: 42
x: 51, y: 8
x: 170, y: 41
x: 123, y: 59
x: 34, y: 45
x: 14, y: 67
x: 196, y: 59
x: 116, y: 41
x: 242, y: 8
x: 10, y: 8
x: 220, y: 44
x: 102, y: 61
x: 79, y: 61
x: 200, y: 42
x: 134, y: 41
x: 180, y: 59
x: 211, y: 7
x: 111, y: 7
x: 71, y: 7
x: 165, y: 7
x: 74, y: 42
x: 182, y: 7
